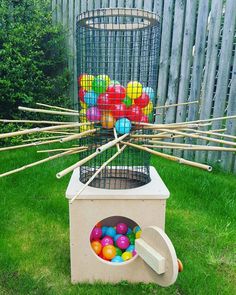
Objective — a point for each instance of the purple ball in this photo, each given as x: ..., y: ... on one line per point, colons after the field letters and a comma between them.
x: 107, y: 241
x: 134, y: 252
x: 122, y: 242
x: 93, y: 114
x: 96, y: 233
x: 121, y: 228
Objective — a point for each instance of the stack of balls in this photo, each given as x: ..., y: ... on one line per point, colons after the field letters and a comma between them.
x: 113, y: 105
x: 114, y: 244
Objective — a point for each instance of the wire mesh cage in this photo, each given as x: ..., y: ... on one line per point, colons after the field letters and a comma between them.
x: 117, y: 62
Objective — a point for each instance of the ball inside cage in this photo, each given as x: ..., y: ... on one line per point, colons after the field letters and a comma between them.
x: 117, y: 61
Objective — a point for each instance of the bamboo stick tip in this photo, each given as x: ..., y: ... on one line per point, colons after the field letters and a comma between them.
x: 209, y: 169
x: 58, y: 175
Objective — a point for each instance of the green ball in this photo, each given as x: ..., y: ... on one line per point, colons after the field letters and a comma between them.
x: 150, y: 118
x: 118, y: 252
x: 131, y: 236
x: 128, y: 101
x: 132, y: 240
x: 99, y: 85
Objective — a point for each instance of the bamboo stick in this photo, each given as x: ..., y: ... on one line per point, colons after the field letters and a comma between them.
x: 79, y: 135
x: 111, y: 143
x: 43, y: 138
x: 171, y: 125
x: 59, y: 132
x: 194, y: 148
x: 43, y: 111
x: 177, y: 104
x: 213, y: 133
x: 202, y: 137
x: 56, y: 107
x: 115, y: 135
x: 35, y: 121
x: 36, y: 163
x: 217, y: 130
x: 169, y: 157
x: 61, y: 150
x: 97, y: 172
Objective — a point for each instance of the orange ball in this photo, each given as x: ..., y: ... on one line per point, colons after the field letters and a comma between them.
x: 99, y: 224
x: 109, y: 252
x: 97, y: 247
x: 107, y: 120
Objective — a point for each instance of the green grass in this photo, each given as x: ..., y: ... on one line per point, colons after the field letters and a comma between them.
x: 34, y: 231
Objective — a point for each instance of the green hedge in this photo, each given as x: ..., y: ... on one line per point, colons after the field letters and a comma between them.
x: 32, y: 57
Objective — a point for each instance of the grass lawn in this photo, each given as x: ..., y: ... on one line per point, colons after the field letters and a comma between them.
x: 34, y: 230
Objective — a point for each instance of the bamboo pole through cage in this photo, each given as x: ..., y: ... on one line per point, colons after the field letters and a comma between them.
x: 37, y: 163
x: 169, y: 157
x: 79, y: 135
x: 213, y: 133
x: 176, y: 104
x: 43, y: 138
x: 43, y: 111
x: 56, y: 107
x: 97, y: 172
x: 194, y: 148
x: 61, y: 150
x: 35, y: 122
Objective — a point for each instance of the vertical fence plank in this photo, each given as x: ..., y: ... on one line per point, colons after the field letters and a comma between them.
x: 224, y: 68
x: 167, y: 20
x: 59, y: 10
x: 175, y: 59
x: 54, y: 12
x: 227, y: 158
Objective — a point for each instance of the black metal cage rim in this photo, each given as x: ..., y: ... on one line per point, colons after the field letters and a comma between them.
x: 87, y: 19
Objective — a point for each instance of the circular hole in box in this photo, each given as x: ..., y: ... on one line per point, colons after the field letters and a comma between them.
x: 108, y: 228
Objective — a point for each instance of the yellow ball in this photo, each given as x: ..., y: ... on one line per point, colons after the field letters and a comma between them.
x: 83, y: 105
x: 138, y: 234
x: 86, y: 82
x: 82, y: 115
x: 134, y: 89
x: 148, y: 109
x: 105, y: 77
x: 126, y: 256
x: 86, y: 127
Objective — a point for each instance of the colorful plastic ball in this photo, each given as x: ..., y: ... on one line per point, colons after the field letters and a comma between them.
x: 109, y: 252
x: 104, y: 102
x: 118, y: 252
x: 98, y: 224
x: 86, y: 127
x: 136, y: 228
x: 121, y: 228
x: 132, y: 241
x: 81, y: 94
x: 150, y: 92
x: 90, y: 98
x: 126, y: 256
x: 128, y: 101
x: 118, y: 259
x: 117, y: 236
x: 104, y: 229
x: 134, y: 113
x: 107, y: 120
x: 96, y: 233
x: 150, y: 118
x: 97, y: 247
x: 111, y: 232
x: 134, y: 252
x: 86, y: 82
x: 148, y: 109
x: 114, y: 82
x: 134, y: 89
x: 144, y: 119
x: 138, y: 234
x: 131, y: 248
x: 82, y: 115
x: 129, y: 231
x: 83, y: 105
x: 122, y: 242
x: 131, y: 235
x: 99, y: 85
x: 119, y: 110
x: 107, y: 241
x: 142, y: 101
x: 93, y: 114
x: 116, y: 92
x: 123, y: 126
x: 79, y: 78
x: 104, y: 77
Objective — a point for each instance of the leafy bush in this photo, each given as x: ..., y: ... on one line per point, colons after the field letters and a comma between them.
x: 32, y: 57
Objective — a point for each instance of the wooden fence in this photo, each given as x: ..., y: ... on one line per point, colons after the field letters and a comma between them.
x: 197, y: 59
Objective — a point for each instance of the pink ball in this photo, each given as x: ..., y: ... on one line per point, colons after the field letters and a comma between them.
x: 93, y: 114
x: 122, y: 242
x: 121, y: 228
x: 134, y: 253
x: 96, y: 233
x: 107, y: 241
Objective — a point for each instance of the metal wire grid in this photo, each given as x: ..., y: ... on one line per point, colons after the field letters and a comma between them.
x: 126, y: 48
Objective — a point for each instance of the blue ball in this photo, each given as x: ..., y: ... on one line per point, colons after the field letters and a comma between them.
x: 117, y: 259
x: 123, y: 126
x: 136, y: 228
x: 90, y: 98
x: 111, y: 232
x: 104, y: 229
x: 131, y: 248
x: 129, y: 231
x: 150, y: 92
x: 117, y: 236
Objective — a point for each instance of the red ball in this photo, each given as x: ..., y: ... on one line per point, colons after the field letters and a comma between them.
x: 144, y: 119
x: 116, y: 92
x: 81, y: 94
x: 104, y: 102
x: 134, y: 113
x: 142, y: 101
x: 119, y: 110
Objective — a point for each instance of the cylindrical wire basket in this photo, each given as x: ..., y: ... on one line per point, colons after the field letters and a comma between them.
x: 117, y: 61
